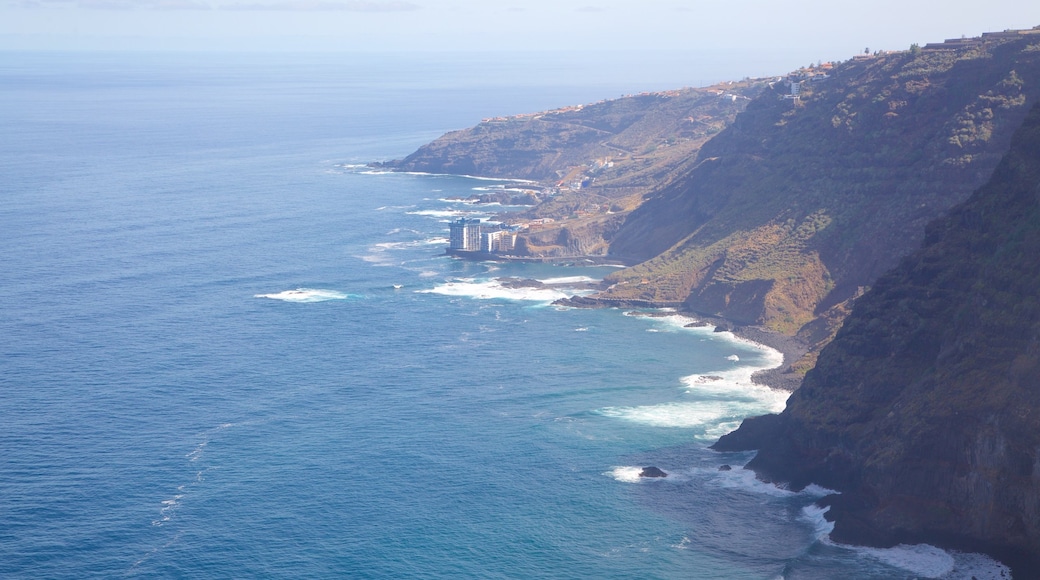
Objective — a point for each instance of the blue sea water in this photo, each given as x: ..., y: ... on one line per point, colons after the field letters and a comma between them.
x: 228, y: 349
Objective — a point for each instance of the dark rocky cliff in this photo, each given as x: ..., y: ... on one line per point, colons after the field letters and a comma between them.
x: 924, y: 412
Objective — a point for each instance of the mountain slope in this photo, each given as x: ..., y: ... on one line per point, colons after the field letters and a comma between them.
x: 801, y: 203
x: 593, y: 163
x: 925, y: 409
x: 636, y: 136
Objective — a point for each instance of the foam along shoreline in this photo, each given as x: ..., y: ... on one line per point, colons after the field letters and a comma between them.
x: 920, y: 560
x: 380, y: 168
x: 712, y: 403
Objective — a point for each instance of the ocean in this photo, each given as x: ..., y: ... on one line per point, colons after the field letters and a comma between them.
x: 228, y: 348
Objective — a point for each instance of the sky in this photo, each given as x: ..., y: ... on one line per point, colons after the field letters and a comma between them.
x: 809, y: 30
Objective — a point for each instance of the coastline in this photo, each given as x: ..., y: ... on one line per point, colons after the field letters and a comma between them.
x: 780, y: 378
x: 792, y: 348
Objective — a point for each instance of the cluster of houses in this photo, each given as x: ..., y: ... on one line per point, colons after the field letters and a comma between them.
x: 810, y: 75
x: 960, y: 43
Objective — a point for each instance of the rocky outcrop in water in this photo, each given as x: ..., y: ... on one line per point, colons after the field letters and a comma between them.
x: 652, y: 472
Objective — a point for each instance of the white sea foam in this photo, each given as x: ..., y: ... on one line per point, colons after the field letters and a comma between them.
x: 396, y: 231
x: 676, y: 414
x: 684, y: 543
x: 474, y: 177
x: 197, y: 452
x: 379, y: 254
x: 978, y: 566
x: 926, y: 561
x: 444, y: 213
x: 378, y: 257
x: 384, y: 246
x: 569, y: 280
x: 818, y: 491
x: 626, y: 474
x: 814, y: 514
x: 169, y: 506
x: 920, y: 559
x: 716, y: 401
x: 493, y: 289
x: 305, y: 295
x: 745, y: 480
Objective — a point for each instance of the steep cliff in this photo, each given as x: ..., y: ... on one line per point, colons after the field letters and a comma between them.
x: 924, y: 412
x: 802, y: 202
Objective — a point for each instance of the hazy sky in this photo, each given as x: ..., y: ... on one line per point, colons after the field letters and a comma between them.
x: 814, y: 29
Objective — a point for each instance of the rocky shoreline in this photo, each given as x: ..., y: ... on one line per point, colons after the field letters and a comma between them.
x: 780, y: 378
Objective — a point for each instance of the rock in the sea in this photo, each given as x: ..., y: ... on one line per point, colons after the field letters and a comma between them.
x: 515, y: 283
x: 652, y: 472
x: 725, y: 467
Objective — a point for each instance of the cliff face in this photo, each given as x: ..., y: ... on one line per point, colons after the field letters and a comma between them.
x: 925, y: 409
x: 802, y: 203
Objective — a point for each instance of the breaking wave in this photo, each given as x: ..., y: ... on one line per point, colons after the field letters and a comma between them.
x: 305, y: 295
x: 714, y: 403
x: 494, y: 289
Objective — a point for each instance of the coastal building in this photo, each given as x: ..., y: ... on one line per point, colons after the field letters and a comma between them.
x: 497, y: 241
x: 464, y: 235
x: 472, y: 235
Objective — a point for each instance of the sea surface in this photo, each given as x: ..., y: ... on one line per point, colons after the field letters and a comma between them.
x: 230, y: 349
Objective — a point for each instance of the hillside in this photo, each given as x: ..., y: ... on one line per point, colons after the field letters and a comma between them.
x: 621, y: 143
x: 593, y: 163
x: 801, y: 203
x: 925, y: 409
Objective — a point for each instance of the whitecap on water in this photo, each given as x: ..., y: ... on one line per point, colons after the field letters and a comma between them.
x: 676, y: 414
x: 447, y: 214
x: 305, y: 295
x: 626, y: 474
x: 569, y: 280
x: 493, y: 289
x: 814, y: 514
x: 716, y: 401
